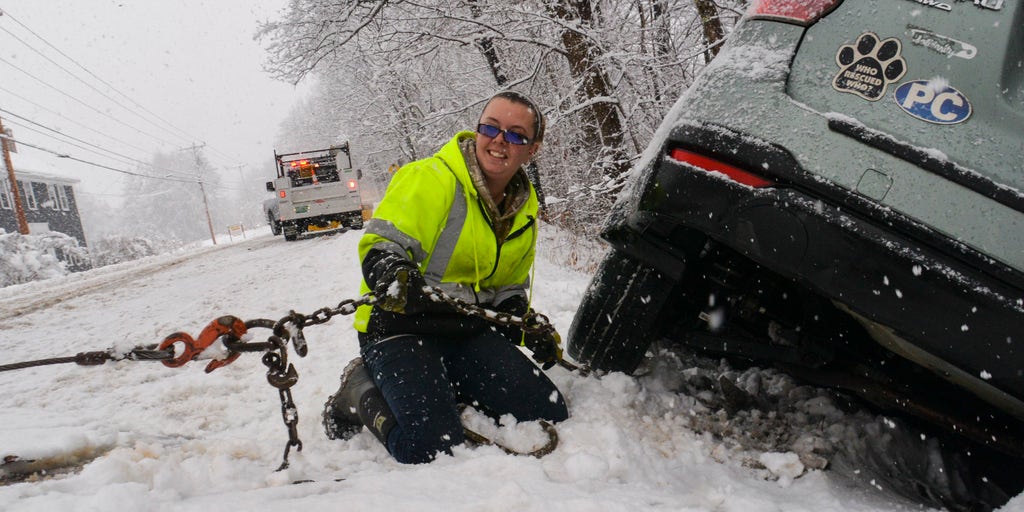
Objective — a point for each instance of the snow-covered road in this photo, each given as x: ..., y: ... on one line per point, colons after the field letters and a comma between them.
x: 141, y: 436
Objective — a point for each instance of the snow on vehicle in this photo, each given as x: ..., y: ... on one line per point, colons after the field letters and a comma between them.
x: 314, y: 191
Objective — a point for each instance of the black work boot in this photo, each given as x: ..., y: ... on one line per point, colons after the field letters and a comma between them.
x: 341, y: 412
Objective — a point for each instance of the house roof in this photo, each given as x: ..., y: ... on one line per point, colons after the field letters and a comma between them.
x: 33, y: 169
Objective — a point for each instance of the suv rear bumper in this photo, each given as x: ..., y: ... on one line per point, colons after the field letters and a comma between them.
x: 888, y: 270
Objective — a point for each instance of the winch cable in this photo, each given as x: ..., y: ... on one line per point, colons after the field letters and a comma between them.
x: 96, y: 358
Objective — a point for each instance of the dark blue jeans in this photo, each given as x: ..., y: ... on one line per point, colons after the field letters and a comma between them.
x: 424, y: 379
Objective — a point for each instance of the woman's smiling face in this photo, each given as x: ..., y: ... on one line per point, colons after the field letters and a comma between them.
x: 498, y: 159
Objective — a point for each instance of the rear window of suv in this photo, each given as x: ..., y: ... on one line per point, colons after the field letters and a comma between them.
x: 943, y: 76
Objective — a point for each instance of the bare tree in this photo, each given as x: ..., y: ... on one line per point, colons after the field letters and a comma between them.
x: 171, y: 208
x: 713, y: 31
x: 394, y: 74
x: 604, y: 132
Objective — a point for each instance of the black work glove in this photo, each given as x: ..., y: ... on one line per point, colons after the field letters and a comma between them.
x: 546, y: 347
x: 400, y: 290
x: 515, y: 306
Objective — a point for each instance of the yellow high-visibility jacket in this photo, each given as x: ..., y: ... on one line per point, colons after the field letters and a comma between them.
x: 433, y: 215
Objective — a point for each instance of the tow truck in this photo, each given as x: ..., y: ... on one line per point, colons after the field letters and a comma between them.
x: 314, y: 191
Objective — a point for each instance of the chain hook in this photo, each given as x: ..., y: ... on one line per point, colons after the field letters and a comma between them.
x: 229, y: 326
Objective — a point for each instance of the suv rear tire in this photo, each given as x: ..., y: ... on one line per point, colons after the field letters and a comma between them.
x: 633, y: 295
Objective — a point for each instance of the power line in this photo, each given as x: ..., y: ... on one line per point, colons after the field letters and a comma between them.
x: 93, y: 130
x: 98, y: 194
x: 147, y: 164
x: 107, y: 167
x: 185, y: 135
x: 84, y: 104
x: 94, y: 164
x: 76, y: 77
x: 72, y: 144
x: 100, y: 80
x: 68, y: 119
x: 58, y: 132
x: 180, y: 174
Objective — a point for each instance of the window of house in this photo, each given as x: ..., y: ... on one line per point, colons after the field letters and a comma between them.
x: 62, y: 198
x: 51, y: 201
x: 29, y: 194
x: 6, y: 201
x: 71, y: 257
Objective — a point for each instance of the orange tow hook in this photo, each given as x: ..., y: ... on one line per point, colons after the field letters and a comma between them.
x: 223, y: 326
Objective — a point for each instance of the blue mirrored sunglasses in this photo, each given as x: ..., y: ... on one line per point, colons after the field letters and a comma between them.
x: 511, y: 137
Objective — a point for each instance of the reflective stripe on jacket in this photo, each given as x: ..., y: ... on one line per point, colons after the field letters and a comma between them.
x: 431, y: 214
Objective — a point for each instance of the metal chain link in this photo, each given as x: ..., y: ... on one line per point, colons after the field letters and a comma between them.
x: 532, y: 322
x: 324, y: 315
x: 282, y: 375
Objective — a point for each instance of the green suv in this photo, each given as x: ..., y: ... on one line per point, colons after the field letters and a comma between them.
x: 840, y: 193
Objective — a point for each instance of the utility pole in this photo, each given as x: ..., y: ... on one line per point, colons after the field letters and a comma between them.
x: 195, y: 153
x: 19, y: 209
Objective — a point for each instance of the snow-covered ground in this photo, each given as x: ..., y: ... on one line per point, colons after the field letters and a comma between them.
x: 142, y: 436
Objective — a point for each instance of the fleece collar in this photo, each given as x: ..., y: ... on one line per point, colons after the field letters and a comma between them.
x: 517, y: 192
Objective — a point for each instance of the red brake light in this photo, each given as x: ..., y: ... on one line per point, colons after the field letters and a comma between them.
x: 352, y: 184
x: 282, y: 193
x: 708, y: 164
x: 800, y: 12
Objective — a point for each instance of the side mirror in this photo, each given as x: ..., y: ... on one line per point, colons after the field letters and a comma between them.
x: 270, y: 186
x: 359, y: 174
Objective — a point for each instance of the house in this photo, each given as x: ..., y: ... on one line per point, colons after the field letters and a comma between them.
x: 49, y: 205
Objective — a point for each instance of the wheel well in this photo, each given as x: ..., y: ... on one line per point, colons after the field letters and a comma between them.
x: 758, y: 314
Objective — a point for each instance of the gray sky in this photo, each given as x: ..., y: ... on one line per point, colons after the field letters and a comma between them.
x: 182, y: 72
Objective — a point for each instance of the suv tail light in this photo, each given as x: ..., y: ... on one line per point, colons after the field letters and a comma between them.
x: 711, y: 165
x: 352, y: 184
x: 799, y: 12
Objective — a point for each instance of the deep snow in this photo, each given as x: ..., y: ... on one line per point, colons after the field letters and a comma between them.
x: 141, y: 436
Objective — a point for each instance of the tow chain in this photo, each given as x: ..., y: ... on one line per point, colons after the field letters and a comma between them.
x: 281, y: 374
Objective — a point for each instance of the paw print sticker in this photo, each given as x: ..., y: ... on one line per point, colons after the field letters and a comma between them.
x: 869, y: 66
